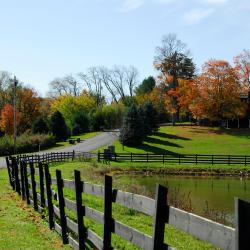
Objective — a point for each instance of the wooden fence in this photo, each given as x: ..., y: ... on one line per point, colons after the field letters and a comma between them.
x: 54, y: 157
x: 177, y: 158
x: 26, y: 180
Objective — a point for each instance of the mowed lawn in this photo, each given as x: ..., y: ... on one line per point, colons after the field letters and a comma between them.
x: 20, y: 226
x: 193, y: 140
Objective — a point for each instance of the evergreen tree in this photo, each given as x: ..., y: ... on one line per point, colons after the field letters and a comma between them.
x: 146, y: 86
x: 150, y: 118
x: 132, y: 131
x: 40, y: 126
x: 58, y: 126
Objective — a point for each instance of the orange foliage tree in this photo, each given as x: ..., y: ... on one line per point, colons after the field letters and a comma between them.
x: 7, y: 119
x: 216, y: 93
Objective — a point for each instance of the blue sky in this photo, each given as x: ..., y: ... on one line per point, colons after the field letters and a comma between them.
x: 44, y: 39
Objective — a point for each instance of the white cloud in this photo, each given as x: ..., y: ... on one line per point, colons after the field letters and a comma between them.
x: 196, y: 15
x: 130, y: 5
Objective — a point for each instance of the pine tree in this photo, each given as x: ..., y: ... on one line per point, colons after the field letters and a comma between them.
x: 132, y: 131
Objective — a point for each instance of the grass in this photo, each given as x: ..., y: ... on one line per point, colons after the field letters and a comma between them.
x: 84, y: 136
x: 92, y: 171
x: 20, y: 226
x: 193, y: 140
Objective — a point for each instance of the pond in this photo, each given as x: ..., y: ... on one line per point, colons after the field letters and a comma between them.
x: 210, y: 197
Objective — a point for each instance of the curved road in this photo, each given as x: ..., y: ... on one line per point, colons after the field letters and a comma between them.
x: 87, y: 145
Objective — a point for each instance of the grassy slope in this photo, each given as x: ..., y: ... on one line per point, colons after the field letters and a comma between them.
x: 20, y: 226
x: 93, y: 172
x: 194, y: 140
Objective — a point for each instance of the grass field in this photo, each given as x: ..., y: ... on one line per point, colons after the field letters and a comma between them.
x: 20, y: 226
x: 193, y: 140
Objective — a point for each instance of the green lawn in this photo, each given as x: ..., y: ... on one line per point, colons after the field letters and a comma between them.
x: 193, y: 140
x: 20, y: 226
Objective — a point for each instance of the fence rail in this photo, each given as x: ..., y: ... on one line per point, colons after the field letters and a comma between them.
x: 177, y: 158
x: 26, y: 180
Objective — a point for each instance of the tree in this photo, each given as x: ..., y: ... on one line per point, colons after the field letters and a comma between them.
x: 58, y: 126
x: 218, y: 93
x: 40, y: 126
x: 242, y: 65
x: 67, y: 85
x: 146, y: 86
x: 150, y: 118
x: 173, y: 61
x: 7, y: 119
x: 132, y: 131
x: 80, y: 123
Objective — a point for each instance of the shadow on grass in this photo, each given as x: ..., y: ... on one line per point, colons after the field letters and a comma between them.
x: 162, y: 142
x: 155, y: 150
x: 168, y: 136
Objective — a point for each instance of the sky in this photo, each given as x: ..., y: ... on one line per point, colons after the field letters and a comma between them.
x: 44, y: 39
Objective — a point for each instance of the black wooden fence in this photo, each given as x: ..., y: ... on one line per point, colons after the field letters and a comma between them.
x: 26, y: 180
x: 176, y: 158
x: 54, y: 157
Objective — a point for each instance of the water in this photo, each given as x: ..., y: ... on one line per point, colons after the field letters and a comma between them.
x: 217, y: 193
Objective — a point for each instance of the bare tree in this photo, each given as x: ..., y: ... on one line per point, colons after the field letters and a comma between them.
x: 92, y: 79
x: 67, y: 85
x: 131, y: 75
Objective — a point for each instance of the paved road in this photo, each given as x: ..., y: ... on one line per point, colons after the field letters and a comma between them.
x: 88, y: 145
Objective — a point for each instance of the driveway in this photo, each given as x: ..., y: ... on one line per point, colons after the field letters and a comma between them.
x: 87, y: 145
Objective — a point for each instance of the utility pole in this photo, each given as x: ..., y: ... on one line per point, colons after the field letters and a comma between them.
x: 14, y: 105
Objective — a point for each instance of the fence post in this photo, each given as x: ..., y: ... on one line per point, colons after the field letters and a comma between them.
x: 131, y: 157
x: 26, y: 183
x: 242, y: 224
x: 9, y: 171
x: 196, y: 160
x: 73, y: 155
x: 22, y: 180
x: 15, y: 168
x: 245, y: 160
x: 49, y: 196
x: 33, y: 185
x: 80, y: 210
x: 108, y: 221
x: 41, y: 182
x: 160, y: 218
x: 98, y: 156
x: 61, y: 202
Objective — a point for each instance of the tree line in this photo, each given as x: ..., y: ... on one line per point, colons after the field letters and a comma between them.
x: 102, y: 97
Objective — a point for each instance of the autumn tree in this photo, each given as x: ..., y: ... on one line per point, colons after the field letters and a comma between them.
x: 7, y: 119
x: 173, y: 61
x: 242, y: 66
x: 218, y: 93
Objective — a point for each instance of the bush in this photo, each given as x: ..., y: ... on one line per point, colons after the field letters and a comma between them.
x: 25, y: 143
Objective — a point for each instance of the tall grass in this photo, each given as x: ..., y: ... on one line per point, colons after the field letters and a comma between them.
x: 25, y: 143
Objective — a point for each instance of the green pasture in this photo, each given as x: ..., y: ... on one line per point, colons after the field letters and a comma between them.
x: 20, y: 226
x: 193, y: 140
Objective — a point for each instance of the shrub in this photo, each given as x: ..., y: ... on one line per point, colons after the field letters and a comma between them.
x: 25, y: 143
